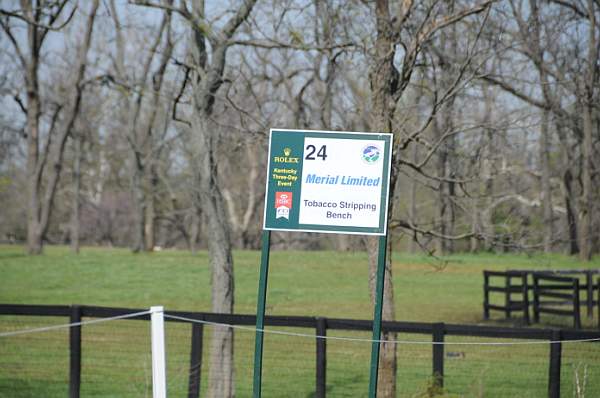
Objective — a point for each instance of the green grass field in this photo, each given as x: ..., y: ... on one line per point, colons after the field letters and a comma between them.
x: 116, y: 359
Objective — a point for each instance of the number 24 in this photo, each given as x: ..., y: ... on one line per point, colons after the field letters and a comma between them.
x: 311, y: 149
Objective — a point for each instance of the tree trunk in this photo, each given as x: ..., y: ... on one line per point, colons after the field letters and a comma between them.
x: 206, y: 78
x: 486, y: 217
x: 446, y: 163
x: 150, y: 231
x: 386, y: 384
x: 241, y: 218
x: 34, y: 229
x: 475, y: 225
x: 546, y: 189
x: 34, y: 237
x: 585, y: 234
x: 533, y: 34
x: 590, y: 84
x: 221, y: 380
x: 196, y: 219
x: 443, y: 205
x: 571, y: 222
x: 571, y: 214
x: 384, y: 80
x: 76, y: 196
x: 139, y: 204
x: 150, y: 228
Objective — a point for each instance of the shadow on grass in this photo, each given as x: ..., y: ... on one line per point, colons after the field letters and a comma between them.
x: 328, y: 390
x: 12, y: 255
x: 27, y: 388
x: 345, y: 385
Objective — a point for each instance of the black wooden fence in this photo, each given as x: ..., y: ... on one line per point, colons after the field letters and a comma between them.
x: 509, y: 289
x: 549, y: 290
x: 438, y: 331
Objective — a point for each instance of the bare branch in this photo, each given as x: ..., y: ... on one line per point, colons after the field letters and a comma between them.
x: 53, y: 18
x: 195, y: 21
x: 408, y: 225
x: 182, y: 10
x: 273, y: 44
x: 46, y: 27
x: 43, y: 159
x: 403, y: 14
x: 178, y: 98
x: 20, y: 103
x: 425, y: 31
x: 242, y: 111
x: 451, y: 19
x: 12, y: 39
x: 514, y: 91
x: 572, y: 6
x: 523, y: 200
x: 235, y: 21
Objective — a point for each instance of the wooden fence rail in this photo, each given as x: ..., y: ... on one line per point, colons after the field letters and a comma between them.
x: 550, y: 291
x: 509, y: 290
x: 519, y: 293
x: 320, y: 325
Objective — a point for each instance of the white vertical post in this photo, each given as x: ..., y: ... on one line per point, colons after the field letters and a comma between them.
x: 159, y: 382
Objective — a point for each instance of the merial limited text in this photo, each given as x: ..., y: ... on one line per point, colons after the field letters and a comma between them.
x: 342, y: 180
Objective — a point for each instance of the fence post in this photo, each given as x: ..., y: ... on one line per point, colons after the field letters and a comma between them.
x: 589, y: 280
x: 555, y: 363
x: 438, y: 354
x: 75, y: 353
x: 507, y: 286
x: 195, y: 361
x: 159, y: 382
x: 486, y: 295
x: 525, y: 292
x: 536, y: 299
x: 576, y: 304
x: 321, y: 358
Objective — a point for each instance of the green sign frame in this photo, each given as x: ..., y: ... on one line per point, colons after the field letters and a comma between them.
x: 360, y: 192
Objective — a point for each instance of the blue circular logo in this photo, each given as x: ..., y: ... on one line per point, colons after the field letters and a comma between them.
x: 371, y: 154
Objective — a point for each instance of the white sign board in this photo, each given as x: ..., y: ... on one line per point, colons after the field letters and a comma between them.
x: 324, y: 181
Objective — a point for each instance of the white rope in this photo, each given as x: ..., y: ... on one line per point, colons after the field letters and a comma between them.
x: 69, y: 325
x: 355, y: 339
x: 292, y: 334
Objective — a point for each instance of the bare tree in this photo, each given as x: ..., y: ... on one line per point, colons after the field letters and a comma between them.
x: 45, y: 147
x: 206, y: 79
x: 568, y: 92
x: 388, y: 83
x: 207, y: 48
x: 146, y: 120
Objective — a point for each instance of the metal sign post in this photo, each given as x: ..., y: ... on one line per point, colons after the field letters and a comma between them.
x: 260, y: 312
x: 376, y: 345
x: 331, y: 182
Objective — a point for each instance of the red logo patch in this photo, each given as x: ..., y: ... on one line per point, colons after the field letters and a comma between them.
x: 283, y: 199
x: 283, y: 204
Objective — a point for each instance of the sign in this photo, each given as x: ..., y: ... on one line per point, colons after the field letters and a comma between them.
x: 326, y: 181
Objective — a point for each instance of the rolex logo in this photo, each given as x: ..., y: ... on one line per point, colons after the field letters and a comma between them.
x: 286, y: 158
